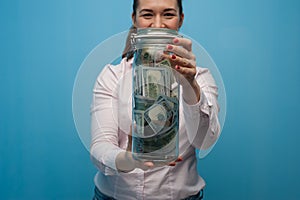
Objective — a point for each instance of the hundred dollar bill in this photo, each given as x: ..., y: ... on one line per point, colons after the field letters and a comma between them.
x: 174, y: 89
x: 157, y: 116
x: 141, y: 127
x: 138, y: 77
x: 166, y: 149
x: 157, y: 142
x: 171, y: 102
x: 145, y: 56
x: 164, y: 63
x: 151, y: 57
x: 137, y: 86
x: 142, y: 103
x: 155, y: 82
x: 139, y: 122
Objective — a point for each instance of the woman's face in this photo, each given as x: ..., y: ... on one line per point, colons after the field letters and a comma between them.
x: 157, y: 14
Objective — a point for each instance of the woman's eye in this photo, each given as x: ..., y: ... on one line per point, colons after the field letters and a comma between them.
x: 169, y: 15
x: 148, y: 15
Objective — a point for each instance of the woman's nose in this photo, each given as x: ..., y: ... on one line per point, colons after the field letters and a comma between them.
x: 158, y: 23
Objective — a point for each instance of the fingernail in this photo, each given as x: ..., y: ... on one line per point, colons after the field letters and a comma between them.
x: 179, y: 159
x: 170, y: 47
x: 173, y: 57
x: 175, y: 40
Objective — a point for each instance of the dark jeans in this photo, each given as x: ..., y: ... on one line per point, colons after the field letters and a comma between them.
x: 100, y: 196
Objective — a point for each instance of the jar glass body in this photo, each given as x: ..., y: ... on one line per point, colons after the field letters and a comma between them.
x: 155, y: 98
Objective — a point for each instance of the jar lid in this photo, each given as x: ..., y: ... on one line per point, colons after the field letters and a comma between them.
x: 153, y: 36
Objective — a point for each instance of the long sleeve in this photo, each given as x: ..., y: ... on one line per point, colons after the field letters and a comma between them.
x: 104, y: 122
x: 202, y: 124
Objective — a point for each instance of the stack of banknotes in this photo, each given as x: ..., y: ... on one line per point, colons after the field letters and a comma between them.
x: 155, y: 107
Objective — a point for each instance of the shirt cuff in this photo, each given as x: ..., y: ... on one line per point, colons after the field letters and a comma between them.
x: 109, y: 160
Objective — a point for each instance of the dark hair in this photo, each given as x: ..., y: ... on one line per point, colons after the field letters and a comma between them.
x: 128, y: 50
x: 136, y: 4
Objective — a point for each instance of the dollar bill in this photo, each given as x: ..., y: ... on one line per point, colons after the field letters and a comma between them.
x: 139, y: 122
x: 145, y: 57
x: 164, y: 63
x: 156, y: 116
x: 170, y: 102
x: 155, y: 81
x: 155, y: 143
x: 141, y: 128
x: 174, y: 89
x: 142, y: 103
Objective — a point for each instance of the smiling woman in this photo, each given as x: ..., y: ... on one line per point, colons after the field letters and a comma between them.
x: 158, y: 14
x: 122, y: 176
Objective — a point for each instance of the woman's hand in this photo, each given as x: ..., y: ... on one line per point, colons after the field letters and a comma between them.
x: 126, y: 163
x: 183, y: 61
x: 182, y: 58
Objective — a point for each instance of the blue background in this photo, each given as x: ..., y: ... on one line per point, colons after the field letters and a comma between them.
x: 255, y: 44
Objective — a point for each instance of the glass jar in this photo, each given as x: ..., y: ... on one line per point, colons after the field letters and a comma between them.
x: 155, y: 100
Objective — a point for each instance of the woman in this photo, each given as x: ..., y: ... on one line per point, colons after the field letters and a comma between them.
x: 122, y: 177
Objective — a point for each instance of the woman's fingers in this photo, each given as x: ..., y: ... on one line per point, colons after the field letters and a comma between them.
x: 149, y: 164
x: 183, y: 62
x: 179, y: 159
x: 184, y: 42
x: 180, y: 51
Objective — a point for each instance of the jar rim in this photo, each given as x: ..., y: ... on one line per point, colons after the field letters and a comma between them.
x: 153, y: 36
x: 156, y: 31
